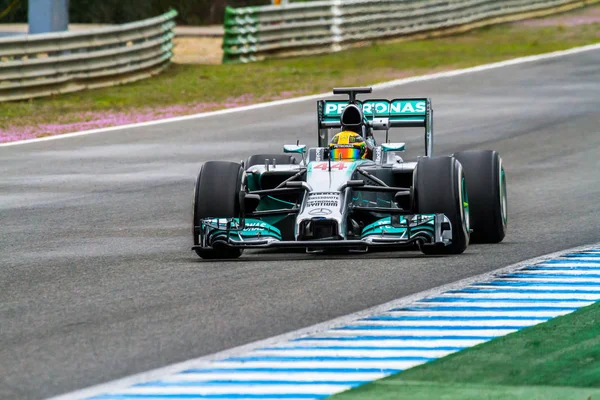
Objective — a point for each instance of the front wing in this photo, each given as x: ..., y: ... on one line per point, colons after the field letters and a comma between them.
x: 399, y: 231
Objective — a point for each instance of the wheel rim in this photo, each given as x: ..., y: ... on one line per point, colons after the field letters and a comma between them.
x: 465, y: 206
x: 503, y: 197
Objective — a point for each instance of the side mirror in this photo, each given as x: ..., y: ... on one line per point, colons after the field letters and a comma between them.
x: 393, y: 147
x: 294, y: 148
x: 404, y: 199
x: 251, y: 202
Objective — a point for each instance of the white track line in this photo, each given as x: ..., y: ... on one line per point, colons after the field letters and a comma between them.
x: 384, y: 85
x: 381, y: 353
x: 284, y: 376
x: 389, y: 343
x: 521, y: 296
x: 482, y: 313
x: 490, y: 323
x: 316, y: 364
x: 580, y: 264
x: 250, y: 389
x: 539, y: 288
x: 500, y: 306
x: 572, y: 272
x: 563, y: 280
x: 416, y: 333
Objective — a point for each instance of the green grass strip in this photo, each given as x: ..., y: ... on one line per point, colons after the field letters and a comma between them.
x: 398, y: 390
x: 546, y: 361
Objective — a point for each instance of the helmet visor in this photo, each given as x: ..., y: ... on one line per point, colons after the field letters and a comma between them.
x: 346, y: 153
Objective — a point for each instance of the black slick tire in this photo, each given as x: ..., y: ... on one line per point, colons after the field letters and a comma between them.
x: 488, y: 202
x: 439, y: 184
x: 217, y: 195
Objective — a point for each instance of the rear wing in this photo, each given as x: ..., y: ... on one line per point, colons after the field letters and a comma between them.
x: 379, y: 114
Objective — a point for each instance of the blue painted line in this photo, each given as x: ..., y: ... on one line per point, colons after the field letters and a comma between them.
x: 322, y: 358
x: 466, y: 308
x: 219, y: 383
x: 209, y: 396
x: 290, y: 370
x: 573, y: 269
x: 451, y: 318
x: 404, y: 337
x: 419, y: 328
x: 591, y: 255
x: 561, y: 276
x: 537, y: 283
x: 526, y: 291
x: 593, y: 260
x: 498, y: 300
x: 365, y: 348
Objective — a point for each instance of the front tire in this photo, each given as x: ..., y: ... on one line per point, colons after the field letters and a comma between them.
x: 487, y: 194
x: 440, y: 188
x: 217, y: 195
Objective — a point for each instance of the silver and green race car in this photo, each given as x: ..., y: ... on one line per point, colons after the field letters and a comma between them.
x: 305, y: 199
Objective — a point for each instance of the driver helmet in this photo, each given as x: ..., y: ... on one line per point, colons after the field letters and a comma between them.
x: 347, y: 145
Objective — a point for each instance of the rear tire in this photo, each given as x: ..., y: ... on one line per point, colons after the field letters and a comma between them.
x: 217, y: 195
x: 259, y: 159
x: 487, y: 194
x: 440, y: 188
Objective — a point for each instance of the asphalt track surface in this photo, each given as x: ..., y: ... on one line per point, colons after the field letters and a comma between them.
x: 98, y: 281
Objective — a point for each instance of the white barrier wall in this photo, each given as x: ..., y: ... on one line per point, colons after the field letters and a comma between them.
x: 46, y: 64
x: 254, y: 33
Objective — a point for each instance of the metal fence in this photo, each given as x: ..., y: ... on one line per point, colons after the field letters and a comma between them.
x: 46, y: 64
x: 255, y: 33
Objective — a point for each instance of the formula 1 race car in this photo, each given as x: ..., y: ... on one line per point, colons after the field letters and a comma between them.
x: 350, y: 193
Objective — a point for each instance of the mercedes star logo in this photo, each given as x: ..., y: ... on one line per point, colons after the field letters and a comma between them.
x: 319, y: 211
